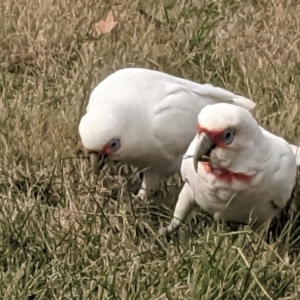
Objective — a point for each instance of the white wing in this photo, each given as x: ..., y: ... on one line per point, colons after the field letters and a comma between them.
x: 295, y: 149
x: 175, y: 116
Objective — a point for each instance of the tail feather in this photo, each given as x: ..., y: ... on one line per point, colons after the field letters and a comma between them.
x: 296, y: 151
x: 244, y: 102
x: 222, y: 95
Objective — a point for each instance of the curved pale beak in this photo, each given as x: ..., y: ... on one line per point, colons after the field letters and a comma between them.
x: 203, y: 147
x: 97, y: 161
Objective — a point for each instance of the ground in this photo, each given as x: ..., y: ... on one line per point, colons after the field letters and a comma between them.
x: 66, y: 234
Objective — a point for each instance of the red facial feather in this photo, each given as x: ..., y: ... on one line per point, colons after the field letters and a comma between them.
x: 222, y: 174
x: 106, y: 150
x: 214, y: 135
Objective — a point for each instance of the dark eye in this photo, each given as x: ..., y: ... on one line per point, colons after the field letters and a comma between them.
x: 227, y: 136
x: 114, y: 144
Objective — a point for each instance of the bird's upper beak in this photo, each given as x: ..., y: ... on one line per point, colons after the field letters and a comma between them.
x: 97, y: 161
x: 203, y: 147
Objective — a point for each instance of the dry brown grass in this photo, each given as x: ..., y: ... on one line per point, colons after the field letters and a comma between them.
x: 63, y: 235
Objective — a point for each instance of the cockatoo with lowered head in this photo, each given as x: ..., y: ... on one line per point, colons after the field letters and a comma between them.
x: 234, y: 169
x: 147, y: 118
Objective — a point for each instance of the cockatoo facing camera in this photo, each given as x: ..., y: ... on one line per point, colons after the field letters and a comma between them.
x: 234, y: 169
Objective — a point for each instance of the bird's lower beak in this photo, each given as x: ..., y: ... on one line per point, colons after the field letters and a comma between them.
x: 97, y: 161
x: 203, y: 147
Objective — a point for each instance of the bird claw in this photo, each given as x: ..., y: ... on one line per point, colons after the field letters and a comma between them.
x: 145, y: 194
x: 172, y: 227
x: 163, y: 231
x: 141, y: 194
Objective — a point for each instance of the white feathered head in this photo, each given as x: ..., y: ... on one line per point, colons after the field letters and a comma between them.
x: 228, y: 136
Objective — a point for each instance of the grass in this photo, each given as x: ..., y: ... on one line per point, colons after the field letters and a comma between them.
x: 66, y: 234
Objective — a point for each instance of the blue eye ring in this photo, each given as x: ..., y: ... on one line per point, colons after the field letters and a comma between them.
x: 114, y: 144
x: 228, y: 136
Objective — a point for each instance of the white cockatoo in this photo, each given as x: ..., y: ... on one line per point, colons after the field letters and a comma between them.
x: 148, y: 119
x: 234, y: 169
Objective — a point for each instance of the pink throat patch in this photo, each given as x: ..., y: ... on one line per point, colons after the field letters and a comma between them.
x: 226, y: 175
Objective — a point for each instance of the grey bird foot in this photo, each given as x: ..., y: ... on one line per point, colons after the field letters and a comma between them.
x: 141, y: 194
x: 163, y: 231
x: 149, y: 193
x: 173, y: 226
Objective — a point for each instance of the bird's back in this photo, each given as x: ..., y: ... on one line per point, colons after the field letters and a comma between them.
x: 132, y: 86
x: 149, y: 87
